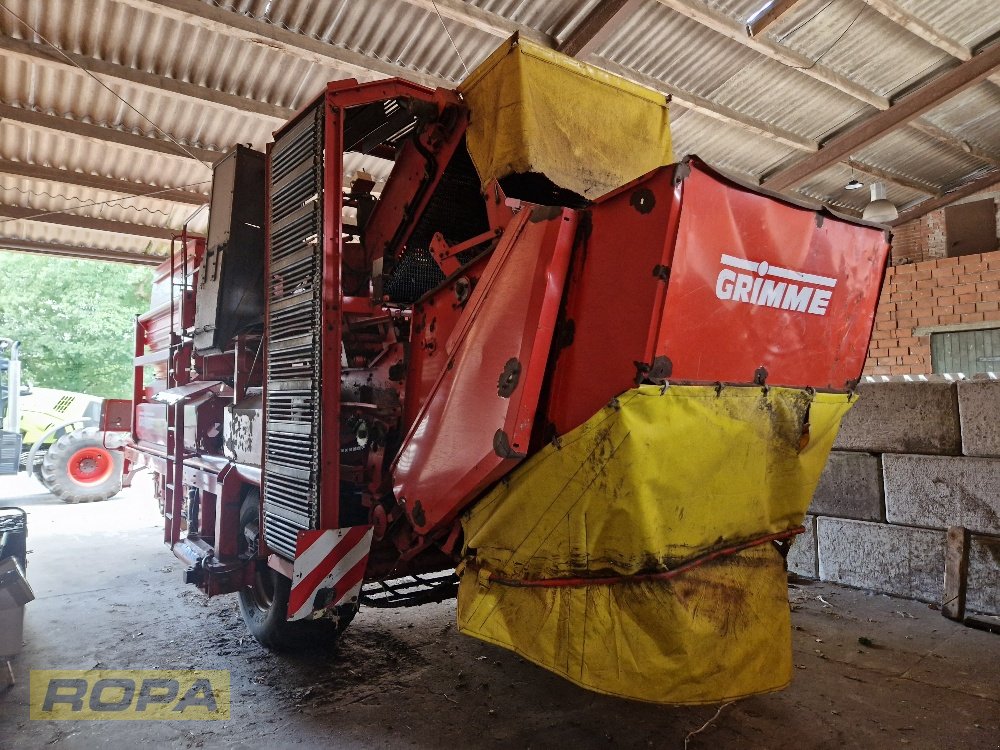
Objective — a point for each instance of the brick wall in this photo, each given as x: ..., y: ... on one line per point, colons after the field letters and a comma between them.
x: 923, y: 288
x: 942, y: 292
x: 923, y: 239
x: 920, y: 239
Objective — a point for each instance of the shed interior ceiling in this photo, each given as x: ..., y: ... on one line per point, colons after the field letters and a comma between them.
x: 145, y: 94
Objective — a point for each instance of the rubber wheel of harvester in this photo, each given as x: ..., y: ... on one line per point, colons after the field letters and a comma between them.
x: 264, y: 606
x: 77, y: 468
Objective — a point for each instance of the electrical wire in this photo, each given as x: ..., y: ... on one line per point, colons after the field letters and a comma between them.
x: 448, y: 32
x: 798, y: 26
x: 114, y: 93
x: 116, y: 202
x: 101, y: 203
x: 833, y: 44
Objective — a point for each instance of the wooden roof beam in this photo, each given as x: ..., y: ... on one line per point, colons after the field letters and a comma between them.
x: 990, y: 157
x: 112, y: 73
x: 724, y: 25
x: 887, y: 176
x: 475, y: 17
x: 86, y: 252
x: 602, y: 21
x: 711, y: 109
x: 238, y: 26
x: 891, y: 10
x: 25, y: 213
x: 606, y: 17
x: 778, y: 8
x: 938, y: 90
x: 98, y: 182
x: 250, y: 29
x: 964, y: 190
x: 104, y: 134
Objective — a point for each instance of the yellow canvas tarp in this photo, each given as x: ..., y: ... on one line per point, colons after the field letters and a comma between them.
x: 536, y: 110
x: 653, y: 481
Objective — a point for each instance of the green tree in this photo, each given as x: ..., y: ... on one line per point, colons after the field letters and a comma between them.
x: 75, y: 320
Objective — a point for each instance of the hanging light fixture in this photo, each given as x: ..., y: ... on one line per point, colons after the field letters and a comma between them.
x: 855, y: 183
x: 880, y: 210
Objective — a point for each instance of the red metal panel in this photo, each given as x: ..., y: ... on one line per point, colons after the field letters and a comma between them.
x: 758, y: 283
x: 434, y: 318
x: 476, y: 423
x: 616, y: 289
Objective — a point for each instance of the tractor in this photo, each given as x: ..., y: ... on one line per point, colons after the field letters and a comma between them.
x: 54, y: 435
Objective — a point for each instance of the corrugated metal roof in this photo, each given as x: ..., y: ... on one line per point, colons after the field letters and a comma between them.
x: 555, y: 18
x: 697, y: 134
x: 855, y: 40
x: 44, y: 196
x: 388, y: 30
x: 84, y: 238
x: 972, y: 116
x: 846, y: 37
x: 919, y: 157
x: 968, y: 22
x: 828, y: 187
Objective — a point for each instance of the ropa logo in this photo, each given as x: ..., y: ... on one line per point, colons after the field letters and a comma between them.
x: 772, y: 286
x: 129, y: 694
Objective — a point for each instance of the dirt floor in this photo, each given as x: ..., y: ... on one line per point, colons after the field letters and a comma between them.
x: 871, y: 671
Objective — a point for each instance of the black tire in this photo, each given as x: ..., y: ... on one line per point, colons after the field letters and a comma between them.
x: 264, y: 606
x: 77, y: 468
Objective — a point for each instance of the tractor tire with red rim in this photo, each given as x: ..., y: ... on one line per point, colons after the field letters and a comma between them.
x: 79, y: 469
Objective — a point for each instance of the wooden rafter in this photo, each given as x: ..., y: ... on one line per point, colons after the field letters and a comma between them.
x: 597, y: 26
x: 724, y: 25
x: 606, y: 17
x: 103, y: 134
x: 475, y: 17
x: 990, y: 157
x: 78, y: 251
x: 940, y: 89
x: 243, y: 27
x: 711, y: 109
x: 299, y: 46
x: 886, y: 175
x: 97, y: 182
x: 920, y: 28
x: 85, y: 222
x: 964, y: 190
x: 43, y: 54
x: 770, y: 16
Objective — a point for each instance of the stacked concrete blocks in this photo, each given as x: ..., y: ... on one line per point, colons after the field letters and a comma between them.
x: 913, y: 457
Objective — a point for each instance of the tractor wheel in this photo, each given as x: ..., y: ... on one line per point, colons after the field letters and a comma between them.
x: 264, y: 605
x: 77, y: 468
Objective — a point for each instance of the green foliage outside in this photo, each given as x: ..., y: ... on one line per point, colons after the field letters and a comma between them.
x: 75, y: 320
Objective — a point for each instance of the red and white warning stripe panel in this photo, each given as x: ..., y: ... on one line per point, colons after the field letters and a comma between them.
x: 329, y: 568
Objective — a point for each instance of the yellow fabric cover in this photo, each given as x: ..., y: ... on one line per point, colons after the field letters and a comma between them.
x: 536, y: 110
x: 655, y: 479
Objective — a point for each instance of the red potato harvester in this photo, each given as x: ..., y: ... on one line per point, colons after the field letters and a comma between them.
x: 598, y: 384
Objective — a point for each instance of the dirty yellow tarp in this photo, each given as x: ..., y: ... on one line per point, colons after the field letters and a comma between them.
x: 655, y: 479
x: 535, y: 110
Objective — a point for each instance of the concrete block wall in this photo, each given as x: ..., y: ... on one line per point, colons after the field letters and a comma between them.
x: 912, y: 459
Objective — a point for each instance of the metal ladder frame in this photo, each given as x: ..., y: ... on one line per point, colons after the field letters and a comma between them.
x: 178, y: 364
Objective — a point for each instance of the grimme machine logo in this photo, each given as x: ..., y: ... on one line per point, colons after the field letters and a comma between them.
x: 754, y: 288
x: 161, y: 694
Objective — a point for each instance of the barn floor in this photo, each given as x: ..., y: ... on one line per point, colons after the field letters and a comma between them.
x: 110, y: 596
